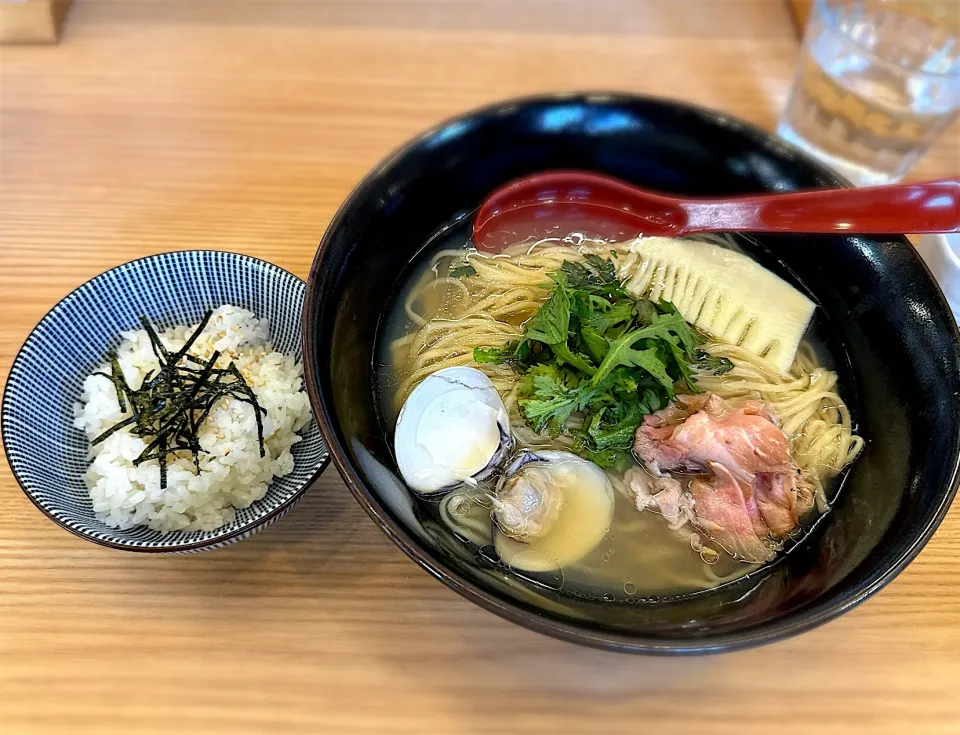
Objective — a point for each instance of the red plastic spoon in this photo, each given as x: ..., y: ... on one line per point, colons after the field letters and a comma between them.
x: 580, y: 199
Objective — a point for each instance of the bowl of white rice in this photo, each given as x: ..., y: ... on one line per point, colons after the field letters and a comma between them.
x: 93, y: 430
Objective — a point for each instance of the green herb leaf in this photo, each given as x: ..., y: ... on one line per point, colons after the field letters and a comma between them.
x: 622, y: 353
x: 616, y: 459
x: 560, y: 375
x: 463, y: 271
x: 551, y: 405
x: 654, y: 400
x: 677, y: 363
x: 619, y: 313
x: 645, y: 312
x: 580, y: 362
x: 666, y: 325
x: 715, y: 365
x: 552, y: 322
x: 619, y: 435
x: 595, y: 345
x: 494, y: 355
x: 607, y: 458
x: 594, y: 275
x: 605, y: 269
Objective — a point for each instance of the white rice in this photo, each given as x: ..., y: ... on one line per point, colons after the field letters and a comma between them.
x: 232, y: 472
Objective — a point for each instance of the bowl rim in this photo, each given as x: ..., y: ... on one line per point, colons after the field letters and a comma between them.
x: 802, y: 619
x: 217, y: 540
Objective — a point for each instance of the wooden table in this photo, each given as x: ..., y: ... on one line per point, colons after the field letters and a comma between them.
x: 241, y: 125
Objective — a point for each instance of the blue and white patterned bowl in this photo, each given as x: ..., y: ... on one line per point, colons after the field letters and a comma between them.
x: 48, y: 456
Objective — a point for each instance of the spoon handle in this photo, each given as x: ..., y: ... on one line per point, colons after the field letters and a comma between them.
x: 929, y: 207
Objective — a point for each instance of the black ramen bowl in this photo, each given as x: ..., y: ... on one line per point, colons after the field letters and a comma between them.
x: 881, y: 313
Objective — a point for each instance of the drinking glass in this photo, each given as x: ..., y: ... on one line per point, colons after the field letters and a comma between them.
x: 878, y: 82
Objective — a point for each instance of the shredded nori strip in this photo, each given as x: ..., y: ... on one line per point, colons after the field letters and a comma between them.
x: 173, y: 402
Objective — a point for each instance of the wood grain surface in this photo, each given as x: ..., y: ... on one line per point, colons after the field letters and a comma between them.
x: 241, y: 125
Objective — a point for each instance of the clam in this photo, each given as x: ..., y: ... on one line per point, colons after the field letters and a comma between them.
x: 552, y: 509
x: 452, y: 430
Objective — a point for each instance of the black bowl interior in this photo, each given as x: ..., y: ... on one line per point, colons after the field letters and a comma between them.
x: 881, y: 307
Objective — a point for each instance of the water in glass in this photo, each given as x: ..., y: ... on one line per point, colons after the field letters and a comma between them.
x: 877, y: 83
